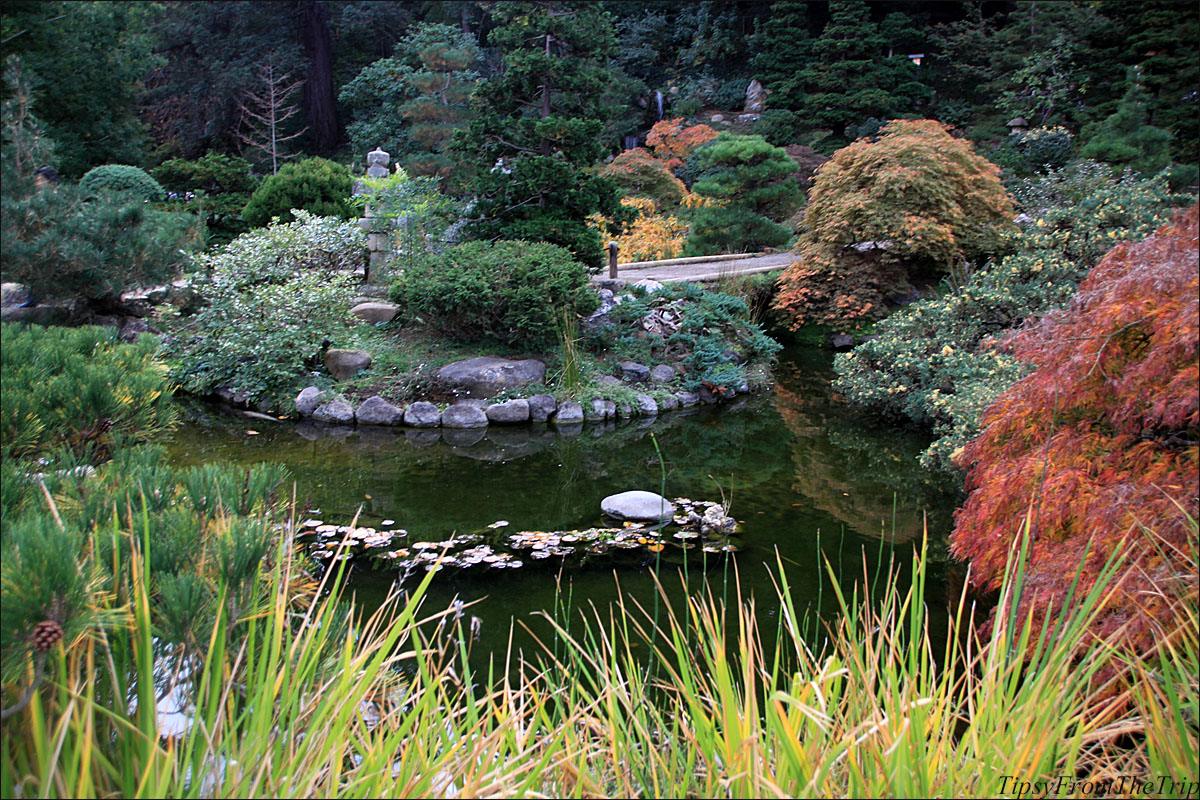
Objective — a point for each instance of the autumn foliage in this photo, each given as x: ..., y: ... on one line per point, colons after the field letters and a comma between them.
x: 924, y: 199
x: 671, y: 142
x: 1097, y: 447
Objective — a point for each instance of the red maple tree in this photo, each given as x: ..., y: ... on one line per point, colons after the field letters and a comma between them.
x: 1097, y: 447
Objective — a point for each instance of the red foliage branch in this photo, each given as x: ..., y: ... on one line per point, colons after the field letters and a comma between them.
x: 1099, y: 444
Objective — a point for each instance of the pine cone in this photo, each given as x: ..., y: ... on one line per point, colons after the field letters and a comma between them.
x: 45, y: 635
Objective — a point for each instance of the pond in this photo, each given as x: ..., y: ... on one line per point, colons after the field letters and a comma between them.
x: 804, y: 476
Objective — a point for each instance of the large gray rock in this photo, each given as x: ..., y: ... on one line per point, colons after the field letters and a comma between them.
x: 756, y: 98
x: 375, y: 313
x: 634, y: 372
x: 462, y: 415
x: 509, y: 411
x: 336, y: 410
x: 687, y: 399
x: 541, y: 406
x: 568, y: 413
x: 344, y: 363
x: 132, y: 329
x: 422, y: 415
x: 638, y: 506
x: 485, y: 376
x: 599, y: 410
x: 377, y: 411
x: 663, y: 373
x: 647, y: 406
x: 668, y: 403
x: 307, y: 401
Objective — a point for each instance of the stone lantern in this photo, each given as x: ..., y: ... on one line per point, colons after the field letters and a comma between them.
x: 1017, y: 125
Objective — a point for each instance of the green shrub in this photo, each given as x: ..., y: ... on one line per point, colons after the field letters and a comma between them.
x: 778, y: 126
x: 222, y: 186
x: 122, y: 178
x: 932, y: 362
x: 715, y: 340
x: 78, y: 387
x: 64, y: 242
x: 316, y: 185
x: 510, y: 291
x: 729, y: 229
x: 275, y: 297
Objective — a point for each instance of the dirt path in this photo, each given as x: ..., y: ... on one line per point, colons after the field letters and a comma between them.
x: 704, y: 271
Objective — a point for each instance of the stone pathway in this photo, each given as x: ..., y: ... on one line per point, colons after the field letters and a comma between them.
x: 702, y: 271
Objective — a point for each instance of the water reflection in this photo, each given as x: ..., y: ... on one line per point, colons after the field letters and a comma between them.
x: 808, y: 482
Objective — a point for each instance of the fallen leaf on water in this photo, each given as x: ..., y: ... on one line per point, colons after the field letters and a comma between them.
x: 252, y: 433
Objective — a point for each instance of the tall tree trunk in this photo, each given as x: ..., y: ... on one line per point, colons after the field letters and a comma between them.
x: 319, y: 97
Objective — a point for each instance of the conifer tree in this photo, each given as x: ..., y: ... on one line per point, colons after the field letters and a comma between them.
x: 785, y: 50
x: 539, y: 128
x: 850, y: 78
x: 439, y: 88
x: 1123, y: 139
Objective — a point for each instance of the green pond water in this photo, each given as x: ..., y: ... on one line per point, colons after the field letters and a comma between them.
x: 805, y: 477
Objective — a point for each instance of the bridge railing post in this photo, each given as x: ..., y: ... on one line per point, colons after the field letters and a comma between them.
x: 612, y: 259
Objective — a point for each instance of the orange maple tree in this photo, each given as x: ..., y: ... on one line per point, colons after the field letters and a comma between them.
x: 914, y: 199
x: 670, y: 141
x: 1097, y: 447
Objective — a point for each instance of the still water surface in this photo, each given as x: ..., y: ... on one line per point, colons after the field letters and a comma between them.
x: 805, y: 476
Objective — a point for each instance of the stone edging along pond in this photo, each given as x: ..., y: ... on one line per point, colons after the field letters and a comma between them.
x: 470, y: 413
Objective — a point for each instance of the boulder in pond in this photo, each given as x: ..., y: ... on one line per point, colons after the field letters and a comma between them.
x: 647, y: 405
x: 509, y: 411
x: 377, y: 411
x: 541, y: 406
x: 463, y: 415
x: 638, y: 506
x: 307, y: 401
x: 336, y: 410
x: 422, y: 415
x: 344, y: 363
x: 568, y: 413
x: 485, y: 376
x: 687, y: 399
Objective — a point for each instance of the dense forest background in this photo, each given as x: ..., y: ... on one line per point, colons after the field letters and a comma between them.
x: 140, y: 83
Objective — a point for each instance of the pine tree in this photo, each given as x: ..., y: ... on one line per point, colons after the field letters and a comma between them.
x: 439, y: 89
x: 850, y: 78
x: 539, y: 125
x: 1123, y: 139
x: 785, y: 50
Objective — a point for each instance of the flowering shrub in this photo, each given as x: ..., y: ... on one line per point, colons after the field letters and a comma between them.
x: 274, y: 297
x: 932, y: 363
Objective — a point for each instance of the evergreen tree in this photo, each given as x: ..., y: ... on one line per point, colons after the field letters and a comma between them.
x: 439, y: 88
x: 1123, y: 139
x: 538, y: 128
x: 88, y: 59
x: 850, y: 78
x: 784, y: 51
